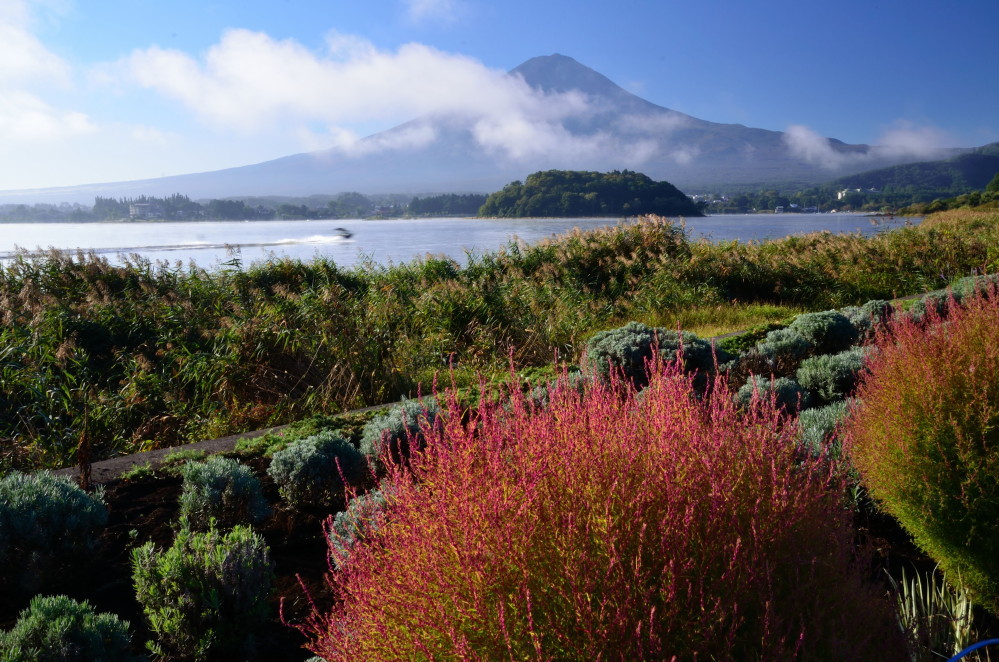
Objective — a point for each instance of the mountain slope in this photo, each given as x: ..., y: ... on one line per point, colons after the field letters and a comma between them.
x: 576, y: 119
x: 954, y: 176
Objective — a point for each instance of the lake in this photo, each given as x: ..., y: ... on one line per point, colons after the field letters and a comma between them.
x: 383, y: 242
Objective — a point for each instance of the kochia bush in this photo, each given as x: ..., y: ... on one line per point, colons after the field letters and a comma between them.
x: 926, y: 437
x: 609, y: 527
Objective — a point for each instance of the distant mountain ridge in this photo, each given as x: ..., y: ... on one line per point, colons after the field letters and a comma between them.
x: 614, y: 129
x: 961, y: 174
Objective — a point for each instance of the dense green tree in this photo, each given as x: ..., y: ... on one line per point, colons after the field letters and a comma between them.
x: 349, y: 205
x: 993, y: 186
x: 449, y: 204
x: 585, y: 193
x: 294, y: 212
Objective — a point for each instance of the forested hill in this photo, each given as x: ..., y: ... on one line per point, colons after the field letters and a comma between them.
x: 961, y: 174
x: 567, y: 193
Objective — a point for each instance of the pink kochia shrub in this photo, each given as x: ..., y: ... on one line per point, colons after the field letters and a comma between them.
x: 609, y: 526
x: 925, y: 436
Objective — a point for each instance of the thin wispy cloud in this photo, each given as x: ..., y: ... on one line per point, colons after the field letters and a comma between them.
x: 24, y: 118
x: 903, y: 140
x: 27, y: 71
x: 23, y: 58
x: 422, y: 11
x: 251, y: 82
x: 808, y: 145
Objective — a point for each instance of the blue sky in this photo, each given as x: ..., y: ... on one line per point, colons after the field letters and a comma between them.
x: 109, y: 90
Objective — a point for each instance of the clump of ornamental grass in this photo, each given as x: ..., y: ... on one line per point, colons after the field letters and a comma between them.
x: 926, y: 437
x: 937, y: 618
x: 609, y: 527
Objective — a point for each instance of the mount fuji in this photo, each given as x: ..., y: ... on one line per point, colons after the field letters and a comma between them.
x: 578, y: 120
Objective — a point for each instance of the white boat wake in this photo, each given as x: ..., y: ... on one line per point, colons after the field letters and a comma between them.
x: 184, y: 246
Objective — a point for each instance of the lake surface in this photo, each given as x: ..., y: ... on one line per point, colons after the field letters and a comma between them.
x: 211, y: 243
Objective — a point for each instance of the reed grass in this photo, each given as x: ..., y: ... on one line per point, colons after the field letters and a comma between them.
x: 153, y: 354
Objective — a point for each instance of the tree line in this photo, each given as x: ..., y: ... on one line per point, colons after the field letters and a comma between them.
x: 838, y: 197
x: 180, y: 207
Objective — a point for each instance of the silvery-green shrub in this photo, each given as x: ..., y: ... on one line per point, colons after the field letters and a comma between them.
x: 937, y: 301
x: 817, y: 426
x: 786, y: 392
x: 779, y: 353
x: 971, y: 285
x: 394, y: 435
x: 47, y: 523
x: 831, y: 377
x: 867, y: 317
x: 629, y: 349
x: 223, y: 490
x: 783, y: 344
x: 205, y: 596
x: 828, y: 331
x: 364, y: 515
x: 60, y: 629
x: 313, y: 470
x: 540, y: 396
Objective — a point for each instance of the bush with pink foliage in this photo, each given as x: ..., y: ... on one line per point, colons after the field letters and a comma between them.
x: 606, y: 526
x: 925, y: 435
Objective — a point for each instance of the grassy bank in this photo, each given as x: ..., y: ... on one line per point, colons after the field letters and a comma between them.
x: 147, y: 355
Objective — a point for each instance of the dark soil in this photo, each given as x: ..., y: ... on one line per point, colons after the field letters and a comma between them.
x: 146, y: 509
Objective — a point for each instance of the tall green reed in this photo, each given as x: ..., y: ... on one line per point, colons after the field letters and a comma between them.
x: 154, y: 353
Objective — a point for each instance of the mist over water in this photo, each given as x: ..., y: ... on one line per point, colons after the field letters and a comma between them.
x: 210, y: 244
